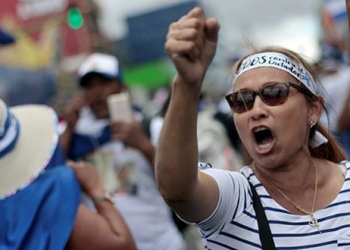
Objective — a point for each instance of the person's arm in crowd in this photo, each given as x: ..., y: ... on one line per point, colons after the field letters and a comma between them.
x: 71, y: 118
x: 344, y: 117
x: 105, y: 229
x: 133, y: 135
x: 191, y: 44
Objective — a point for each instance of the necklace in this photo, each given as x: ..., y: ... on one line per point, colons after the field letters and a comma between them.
x: 313, y: 220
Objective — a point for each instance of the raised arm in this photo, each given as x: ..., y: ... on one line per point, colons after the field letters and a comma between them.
x: 191, y: 44
x: 71, y: 117
x: 105, y: 229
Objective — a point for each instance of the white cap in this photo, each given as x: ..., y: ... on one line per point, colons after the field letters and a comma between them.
x: 103, y: 64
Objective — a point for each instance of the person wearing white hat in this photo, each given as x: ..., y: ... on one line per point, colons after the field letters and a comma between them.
x: 122, y: 152
x: 40, y: 195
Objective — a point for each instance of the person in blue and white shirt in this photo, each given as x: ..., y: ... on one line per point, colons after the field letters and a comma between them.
x: 297, y: 168
x: 122, y: 153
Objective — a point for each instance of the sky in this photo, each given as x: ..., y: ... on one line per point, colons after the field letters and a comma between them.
x: 294, y: 24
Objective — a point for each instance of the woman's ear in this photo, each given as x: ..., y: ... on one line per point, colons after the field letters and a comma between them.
x: 316, y: 108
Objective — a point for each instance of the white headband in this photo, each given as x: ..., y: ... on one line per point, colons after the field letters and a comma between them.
x: 279, y: 61
x: 287, y: 64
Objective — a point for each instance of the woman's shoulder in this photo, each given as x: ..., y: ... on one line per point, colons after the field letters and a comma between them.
x: 35, y: 209
x: 60, y: 174
x: 226, y: 176
x: 60, y: 179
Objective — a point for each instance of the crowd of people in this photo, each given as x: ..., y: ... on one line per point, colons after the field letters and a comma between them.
x: 268, y: 171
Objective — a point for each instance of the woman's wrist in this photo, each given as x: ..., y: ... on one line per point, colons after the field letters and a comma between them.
x: 106, y: 196
x: 97, y: 191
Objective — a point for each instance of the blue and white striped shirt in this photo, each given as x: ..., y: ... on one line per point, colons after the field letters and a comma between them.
x: 233, y: 224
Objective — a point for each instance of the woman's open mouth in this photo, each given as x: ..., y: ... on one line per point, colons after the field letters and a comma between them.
x: 264, y: 139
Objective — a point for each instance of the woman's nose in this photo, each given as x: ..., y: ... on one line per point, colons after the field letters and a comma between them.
x: 258, y: 109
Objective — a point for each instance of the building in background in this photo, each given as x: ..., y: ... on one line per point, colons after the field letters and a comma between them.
x: 50, y: 41
x: 51, y: 48
x: 293, y: 24
x: 141, y: 50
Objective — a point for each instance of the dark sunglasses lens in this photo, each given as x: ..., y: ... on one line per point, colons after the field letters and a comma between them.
x: 242, y: 101
x: 275, y: 94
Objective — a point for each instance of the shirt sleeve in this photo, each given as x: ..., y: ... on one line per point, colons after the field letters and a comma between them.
x: 234, y: 196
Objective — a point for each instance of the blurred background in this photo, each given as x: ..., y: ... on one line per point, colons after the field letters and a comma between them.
x: 48, y: 39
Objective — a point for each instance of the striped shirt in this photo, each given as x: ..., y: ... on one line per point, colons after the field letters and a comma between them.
x: 233, y: 223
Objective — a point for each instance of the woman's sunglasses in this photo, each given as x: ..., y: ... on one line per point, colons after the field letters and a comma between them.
x: 273, y: 94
